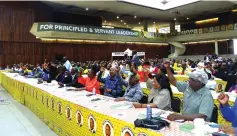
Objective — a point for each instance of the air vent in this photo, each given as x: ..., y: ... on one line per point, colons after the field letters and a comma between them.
x: 164, y: 2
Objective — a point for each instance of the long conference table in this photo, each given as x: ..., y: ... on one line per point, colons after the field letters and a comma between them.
x: 73, y: 113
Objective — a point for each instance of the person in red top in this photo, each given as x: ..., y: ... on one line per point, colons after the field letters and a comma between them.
x: 80, y: 78
x: 91, y: 82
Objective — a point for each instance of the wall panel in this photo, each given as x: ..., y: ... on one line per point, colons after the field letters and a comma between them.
x: 17, y: 44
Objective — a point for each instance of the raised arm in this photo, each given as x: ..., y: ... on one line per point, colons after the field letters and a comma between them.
x: 99, y: 77
x: 171, y: 78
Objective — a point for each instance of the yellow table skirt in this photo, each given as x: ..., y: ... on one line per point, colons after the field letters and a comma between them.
x: 62, y: 116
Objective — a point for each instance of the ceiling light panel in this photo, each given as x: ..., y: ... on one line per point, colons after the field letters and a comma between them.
x: 161, y: 4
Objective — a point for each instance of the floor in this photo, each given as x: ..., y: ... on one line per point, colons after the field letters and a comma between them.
x: 18, y: 120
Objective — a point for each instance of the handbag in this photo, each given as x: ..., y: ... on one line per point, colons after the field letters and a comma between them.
x: 154, y: 123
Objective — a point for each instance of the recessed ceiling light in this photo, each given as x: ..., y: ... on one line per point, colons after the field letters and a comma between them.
x: 124, y: 23
x: 187, y: 18
x: 87, y: 8
x: 174, y: 18
x: 135, y: 16
x: 117, y: 17
x: 139, y: 23
x: 105, y: 21
x: 154, y: 22
x: 121, y: 20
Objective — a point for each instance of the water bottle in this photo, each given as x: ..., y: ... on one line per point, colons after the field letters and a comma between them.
x: 148, y: 112
x: 94, y: 91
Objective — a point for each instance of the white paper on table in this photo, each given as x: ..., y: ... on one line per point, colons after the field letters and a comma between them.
x: 209, y: 129
x: 122, y: 106
x: 166, y: 114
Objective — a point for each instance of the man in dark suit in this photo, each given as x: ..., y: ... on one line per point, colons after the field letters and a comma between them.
x: 74, y: 75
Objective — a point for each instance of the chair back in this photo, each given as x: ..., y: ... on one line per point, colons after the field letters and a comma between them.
x: 175, y: 104
x: 214, y: 116
x: 144, y: 99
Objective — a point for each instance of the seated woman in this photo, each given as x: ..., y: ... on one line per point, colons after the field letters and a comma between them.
x: 91, y: 82
x: 211, y: 83
x: 161, y: 94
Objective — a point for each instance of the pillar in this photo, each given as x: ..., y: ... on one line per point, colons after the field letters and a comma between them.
x: 145, y: 25
x: 172, y: 26
x: 216, y: 47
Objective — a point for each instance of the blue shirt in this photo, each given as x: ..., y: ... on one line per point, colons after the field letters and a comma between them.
x: 68, y: 65
x: 133, y: 93
x: 230, y: 114
x: 45, y: 76
x: 111, y: 83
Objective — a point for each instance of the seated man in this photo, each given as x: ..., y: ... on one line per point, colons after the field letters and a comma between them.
x: 64, y: 76
x: 198, y: 100
x: 133, y: 91
x: 229, y: 113
x: 35, y: 73
x: 25, y: 70
x: 113, y: 87
x: 75, y: 74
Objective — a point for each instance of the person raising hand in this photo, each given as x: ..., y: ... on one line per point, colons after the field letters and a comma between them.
x: 229, y: 113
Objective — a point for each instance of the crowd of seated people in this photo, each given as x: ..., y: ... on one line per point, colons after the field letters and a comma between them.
x: 121, y: 80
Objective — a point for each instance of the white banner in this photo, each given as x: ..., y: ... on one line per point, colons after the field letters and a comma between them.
x: 117, y: 53
x: 122, y: 54
x: 140, y: 53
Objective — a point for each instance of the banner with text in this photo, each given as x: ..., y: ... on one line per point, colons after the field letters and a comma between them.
x: 48, y: 26
x: 122, y: 54
x: 210, y: 29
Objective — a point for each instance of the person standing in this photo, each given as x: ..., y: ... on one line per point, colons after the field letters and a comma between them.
x: 67, y: 64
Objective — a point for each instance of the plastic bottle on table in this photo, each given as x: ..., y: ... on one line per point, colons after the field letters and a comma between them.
x: 94, y: 91
x: 148, y: 112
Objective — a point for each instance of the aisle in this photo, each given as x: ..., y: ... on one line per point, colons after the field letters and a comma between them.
x: 18, y: 120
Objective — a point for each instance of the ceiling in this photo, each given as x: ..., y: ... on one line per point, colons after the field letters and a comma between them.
x: 133, y: 14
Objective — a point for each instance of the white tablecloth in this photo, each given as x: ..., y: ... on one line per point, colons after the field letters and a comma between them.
x: 80, y: 98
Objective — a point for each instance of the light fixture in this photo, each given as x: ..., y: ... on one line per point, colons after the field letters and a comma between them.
x: 87, y: 8
x: 117, y: 17
x: 105, y: 21
x: 135, y: 16
x: 235, y: 46
x: 139, y: 23
x: 187, y: 18
x: 211, y: 20
x: 234, y: 10
x: 174, y: 18
x: 154, y: 22
x: 121, y: 20
x: 124, y: 23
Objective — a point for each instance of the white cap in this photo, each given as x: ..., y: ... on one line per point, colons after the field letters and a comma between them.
x: 201, y: 64
x: 199, y: 75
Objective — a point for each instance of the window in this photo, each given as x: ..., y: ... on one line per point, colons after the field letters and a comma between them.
x: 165, y: 30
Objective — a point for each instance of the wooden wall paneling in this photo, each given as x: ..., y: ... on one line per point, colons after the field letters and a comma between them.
x: 198, y: 49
